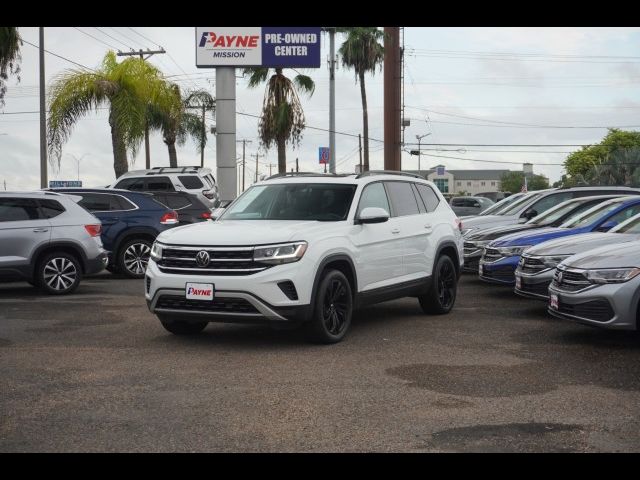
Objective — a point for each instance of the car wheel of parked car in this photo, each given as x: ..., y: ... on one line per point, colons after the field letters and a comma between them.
x: 133, y: 257
x: 332, y: 311
x: 180, y: 327
x: 442, y: 293
x: 58, y: 273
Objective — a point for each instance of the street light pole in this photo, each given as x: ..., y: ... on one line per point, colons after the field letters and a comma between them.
x: 420, y: 137
x: 78, y: 160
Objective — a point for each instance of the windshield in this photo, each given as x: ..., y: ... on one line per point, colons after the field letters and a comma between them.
x: 293, y: 201
x: 504, y: 203
x: 554, y: 213
x: 630, y: 226
x: 591, y: 215
x: 515, y: 208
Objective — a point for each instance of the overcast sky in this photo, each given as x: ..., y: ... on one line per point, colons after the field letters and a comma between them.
x: 462, y: 86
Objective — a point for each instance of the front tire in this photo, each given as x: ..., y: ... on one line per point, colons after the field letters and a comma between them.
x: 133, y: 257
x: 442, y: 295
x: 333, y: 308
x: 180, y: 327
x: 58, y: 273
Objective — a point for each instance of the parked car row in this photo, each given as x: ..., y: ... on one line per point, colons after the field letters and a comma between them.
x: 581, y: 256
x: 51, y: 238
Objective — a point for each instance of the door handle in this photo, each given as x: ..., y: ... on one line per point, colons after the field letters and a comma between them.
x: 40, y: 230
x: 395, y: 230
x: 427, y: 227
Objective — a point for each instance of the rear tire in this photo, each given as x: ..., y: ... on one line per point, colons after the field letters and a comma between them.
x: 333, y: 307
x: 133, y: 257
x: 180, y: 327
x: 58, y: 273
x: 441, y: 296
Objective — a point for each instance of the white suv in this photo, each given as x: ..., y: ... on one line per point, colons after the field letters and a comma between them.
x: 308, y: 249
x: 196, y: 180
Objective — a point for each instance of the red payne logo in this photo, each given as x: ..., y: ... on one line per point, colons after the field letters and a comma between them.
x: 206, y: 292
x: 210, y: 39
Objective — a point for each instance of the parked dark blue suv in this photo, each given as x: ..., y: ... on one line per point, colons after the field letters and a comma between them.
x: 500, y: 258
x: 130, y: 223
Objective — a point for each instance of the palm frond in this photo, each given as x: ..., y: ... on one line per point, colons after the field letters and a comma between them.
x: 305, y: 83
x: 362, y: 50
x: 10, y: 58
x: 257, y: 75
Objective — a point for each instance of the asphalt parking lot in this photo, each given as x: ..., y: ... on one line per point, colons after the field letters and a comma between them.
x: 95, y: 371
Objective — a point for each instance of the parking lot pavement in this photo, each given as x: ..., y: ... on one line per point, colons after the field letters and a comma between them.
x: 95, y: 371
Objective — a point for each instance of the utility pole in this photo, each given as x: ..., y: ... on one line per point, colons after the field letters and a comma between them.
x: 420, y: 137
x: 43, y: 117
x: 332, y: 101
x: 297, y: 169
x: 360, y: 149
x: 244, y: 144
x: 147, y: 153
x: 272, y: 165
x: 258, y: 167
x: 78, y: 160
x: 392, y: 98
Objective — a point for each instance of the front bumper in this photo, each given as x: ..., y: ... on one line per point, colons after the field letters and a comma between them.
x: 472, y: 260
x: 613, y: 306
x: 534, y: 286
x: 500, y: 271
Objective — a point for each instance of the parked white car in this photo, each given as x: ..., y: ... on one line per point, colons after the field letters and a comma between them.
x: 308, y: 249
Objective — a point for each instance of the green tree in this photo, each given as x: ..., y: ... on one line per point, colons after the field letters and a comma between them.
x: 513, y: 182
x: 282, y: 120
x: 10, y: 57
x: 620, y: 166
x: 170, y: 115
x: 127, y: 88
x: 581, y: 161
x: 363, y: 52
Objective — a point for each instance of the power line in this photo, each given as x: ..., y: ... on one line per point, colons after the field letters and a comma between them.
x: 518, y: 54
x: 112, y: 37
x: 145, y: 37
x: 123, y: 35
x: 59, y: 56
x: 96, y: 38
x: 530, y: 126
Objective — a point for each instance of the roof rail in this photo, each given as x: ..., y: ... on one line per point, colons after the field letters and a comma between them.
x: 389, y: 172
x: 306, y: 174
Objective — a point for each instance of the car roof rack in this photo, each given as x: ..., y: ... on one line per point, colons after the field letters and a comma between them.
x: 157, y: 170
x: 307, y: 174
x: 389, y: 172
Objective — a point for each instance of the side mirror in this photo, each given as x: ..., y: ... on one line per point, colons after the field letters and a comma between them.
x: 606, y: 226
x: 373, y: 215
x: 530, y: 213
x: 476, y: 205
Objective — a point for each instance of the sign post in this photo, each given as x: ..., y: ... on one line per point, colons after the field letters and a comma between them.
x: 324, y: 157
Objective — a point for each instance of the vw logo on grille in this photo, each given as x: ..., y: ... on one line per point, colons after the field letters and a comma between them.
x: 202, y: 258
x: 559, y: 276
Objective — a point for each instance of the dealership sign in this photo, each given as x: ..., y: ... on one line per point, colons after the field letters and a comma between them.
x: 65, y: 183
x: 258, y: 47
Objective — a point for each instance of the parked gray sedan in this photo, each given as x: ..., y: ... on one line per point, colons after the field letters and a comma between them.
x: 537, y: 265
x: 463, y: 206
x: 599, y: 287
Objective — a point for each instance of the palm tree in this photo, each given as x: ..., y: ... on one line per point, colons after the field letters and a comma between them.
x: 282, y: 119
x: 127, y: 88
x: 171, y: 116
x: 362, y: 52
x: 10, y: 57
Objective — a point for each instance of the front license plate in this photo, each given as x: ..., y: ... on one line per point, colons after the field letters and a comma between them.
x: 518, y: 283
x: 553, y: 301
x: 199, y: 291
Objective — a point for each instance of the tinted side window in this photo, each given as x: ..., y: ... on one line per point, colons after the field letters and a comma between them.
x: 51, y: 208
x: 421, y: 206
x: 374, y: 195
x: 549, y: 201
x: 625, y: 214
x: 429, y: 197
x: 177, y: 202
x: 17, y: 209
x: 190, y: 181
x: 131, y: 184
x: 402, y: 199
x: 121, y: 203
x: 95, y: 202
x: 162, y: 184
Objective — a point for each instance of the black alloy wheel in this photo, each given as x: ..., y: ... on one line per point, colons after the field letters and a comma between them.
x: 333, y: 309
x: 442, y: 294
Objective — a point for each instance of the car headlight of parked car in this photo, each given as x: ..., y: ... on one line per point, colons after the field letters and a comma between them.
x: 478, y: 243
x: 511, y: 251
x: 156, y: 251
x: 611, y: 275
x: 552, y: 261
x: 280, y: 253
x: 467, y: 231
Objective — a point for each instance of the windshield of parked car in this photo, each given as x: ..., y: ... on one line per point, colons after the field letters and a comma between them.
x: 591, y: 215
x: 293, y: 201
x: 501, y: 205
x: 554, y: 213
x: 630, y: 226
x: 517, y: 206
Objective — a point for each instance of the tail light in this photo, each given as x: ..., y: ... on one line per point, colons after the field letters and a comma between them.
x: 93, y: 230
x: 209, y: 194
x: 169, y: 218
x: 458, y: 224
x: 206, y: 215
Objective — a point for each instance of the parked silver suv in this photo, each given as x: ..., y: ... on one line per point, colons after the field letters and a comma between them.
x: 48, y: 240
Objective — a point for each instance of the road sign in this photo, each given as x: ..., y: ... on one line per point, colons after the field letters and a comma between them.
x: 323, y: 155
x: 65, y: 183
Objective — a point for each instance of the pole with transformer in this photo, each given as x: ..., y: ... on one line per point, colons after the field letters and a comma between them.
x: 257, y: 165
x: 244, y: 145
x: 142, y: 53
x: 392, y: 98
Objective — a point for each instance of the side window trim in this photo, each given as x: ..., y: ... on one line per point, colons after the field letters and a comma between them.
x: 422, y: 208
x: 385, y: 193
x: 135, y: 207
x: 386, y: 182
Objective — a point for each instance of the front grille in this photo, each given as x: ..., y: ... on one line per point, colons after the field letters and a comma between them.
x: 501, y: 273
x: 148, y: 284
x: 597, y: 310
x: 472, y: 264
x: 470, y: 248
x: 223, y: 305
x: 571, y: 281
x: 491, y: 255
x: 531, y: 265
x: 222, y: 261
x: 535, y: 288
x: 289, y: 289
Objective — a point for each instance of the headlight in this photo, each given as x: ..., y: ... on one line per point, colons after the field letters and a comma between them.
x: 156, y: 251
x: 552, y: 261
x: 466, y: 231
x: 479, y: 243
x: 611, y: 275
x: 280, y: 253
x: 511, y: 251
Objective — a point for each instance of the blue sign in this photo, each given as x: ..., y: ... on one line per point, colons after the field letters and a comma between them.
x: 439, y: 170
x: 323, y: 155
x: 291, y: 47
x: 64, y: 183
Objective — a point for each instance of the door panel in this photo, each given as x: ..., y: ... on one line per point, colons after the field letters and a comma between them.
x: 22, y: 231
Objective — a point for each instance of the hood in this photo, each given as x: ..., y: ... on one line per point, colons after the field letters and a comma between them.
x: 488, y: 221
x: 532, y: 238
x: 240, y: 232
x: 608, y: 256
x: 496, y: 232
x: 580, y: 243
